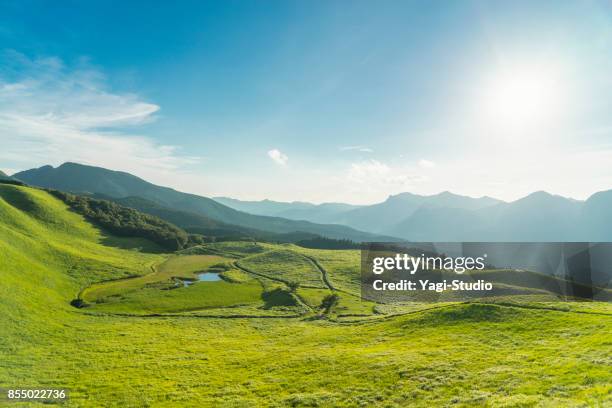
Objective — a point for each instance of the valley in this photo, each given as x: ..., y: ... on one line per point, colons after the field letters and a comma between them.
x: 270, y: 332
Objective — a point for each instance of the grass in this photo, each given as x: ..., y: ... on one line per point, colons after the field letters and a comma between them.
x: 312, y: 297
x: 162, y: 290
x: 348, y: 305
x: 286, y: 266
x: 174, y: 267
x: 536, y: 354
x: 342, y: 266
x: 471, y: 355
x: 228, y: 249
x: 200, y: 295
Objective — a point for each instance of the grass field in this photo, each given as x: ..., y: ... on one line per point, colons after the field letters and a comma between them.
x: 284, y: 265
x: 174, y: 267
x: 207, y: 351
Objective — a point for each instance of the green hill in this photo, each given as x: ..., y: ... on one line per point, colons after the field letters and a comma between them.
x: 5, y: 179
x: 266, y: 354
x: 78, y: 178
x: 48, y: 254
x: 200, y: 224
x: 125, y: 221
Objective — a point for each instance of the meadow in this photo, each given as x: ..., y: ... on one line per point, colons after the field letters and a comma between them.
x: 260, y: 336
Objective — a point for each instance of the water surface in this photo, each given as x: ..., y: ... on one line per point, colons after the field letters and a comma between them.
x: 202, y: 277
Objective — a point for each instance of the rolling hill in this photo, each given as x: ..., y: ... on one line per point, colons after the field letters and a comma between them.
x: 107, y: 354
x: 200, y: 224
x: 8, y: 179
x: 78, y: 178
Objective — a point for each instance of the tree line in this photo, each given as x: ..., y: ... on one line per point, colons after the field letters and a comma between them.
x: 127, y: 222
x: 328, y: 243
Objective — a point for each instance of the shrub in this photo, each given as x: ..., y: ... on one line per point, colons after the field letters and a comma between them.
x: 329, y: 302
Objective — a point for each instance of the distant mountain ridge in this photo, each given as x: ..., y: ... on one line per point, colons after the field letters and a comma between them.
x: 199, y: 224
x: 296, y: 210
x: 78, y: 178
x: 540, y: 216
x: 384, y: 216
x: 377, y: 218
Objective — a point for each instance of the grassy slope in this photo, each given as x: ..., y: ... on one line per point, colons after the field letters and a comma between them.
x: 199, y: 296
x: 343, y: 266
x: 47, y: 254
x: 284, y: 265
x: 183, y: 267
x: 467, y: 355
x: 72, y: 177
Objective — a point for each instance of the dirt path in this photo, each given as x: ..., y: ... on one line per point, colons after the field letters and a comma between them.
x: 322, y: 270
x: 295, y: 295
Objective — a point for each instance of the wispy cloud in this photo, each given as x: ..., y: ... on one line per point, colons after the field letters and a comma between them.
x: 278, y: 157
x: 51, y: 113
x: 376, y: 176
x: 426, y: 164
x: 363, y: 149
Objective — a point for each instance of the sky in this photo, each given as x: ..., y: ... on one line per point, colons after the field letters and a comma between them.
x: 320, y: 101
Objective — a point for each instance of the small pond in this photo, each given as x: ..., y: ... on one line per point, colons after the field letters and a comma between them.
x: 203, y: 277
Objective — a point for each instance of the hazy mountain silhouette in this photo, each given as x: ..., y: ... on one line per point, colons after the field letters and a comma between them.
x: 540, y: 216
x: 296, y: 210
x: 386, y: 215
x: 537, y: 217
x: 78, y: 178
x: 596, y: 216
x: 374, y: 218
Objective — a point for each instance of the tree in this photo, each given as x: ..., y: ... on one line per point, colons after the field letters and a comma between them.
x: 329, y: 302
x: 293, y: 286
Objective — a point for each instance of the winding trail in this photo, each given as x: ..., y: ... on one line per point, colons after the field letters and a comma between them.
x: 261, y: 275
x: 295, y: 295
x: 322, y: 270
x: 307, y: 309
x: 325, y: 277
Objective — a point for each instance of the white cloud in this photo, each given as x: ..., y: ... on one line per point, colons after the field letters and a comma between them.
x: 374, y: 178
x: 363, y: 149
x: 426, y: 164
x: 51, y: 113
x: 278, y: 157
x: 368, y: 170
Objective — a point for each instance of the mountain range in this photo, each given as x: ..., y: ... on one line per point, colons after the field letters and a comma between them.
x: 296, y: 210
x: 192, y: 212
x: 539, y: 216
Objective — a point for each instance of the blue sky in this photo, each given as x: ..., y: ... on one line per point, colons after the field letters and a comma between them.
x: 314, y: 100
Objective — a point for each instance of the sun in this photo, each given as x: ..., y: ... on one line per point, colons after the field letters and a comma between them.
x: 521, y: 97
